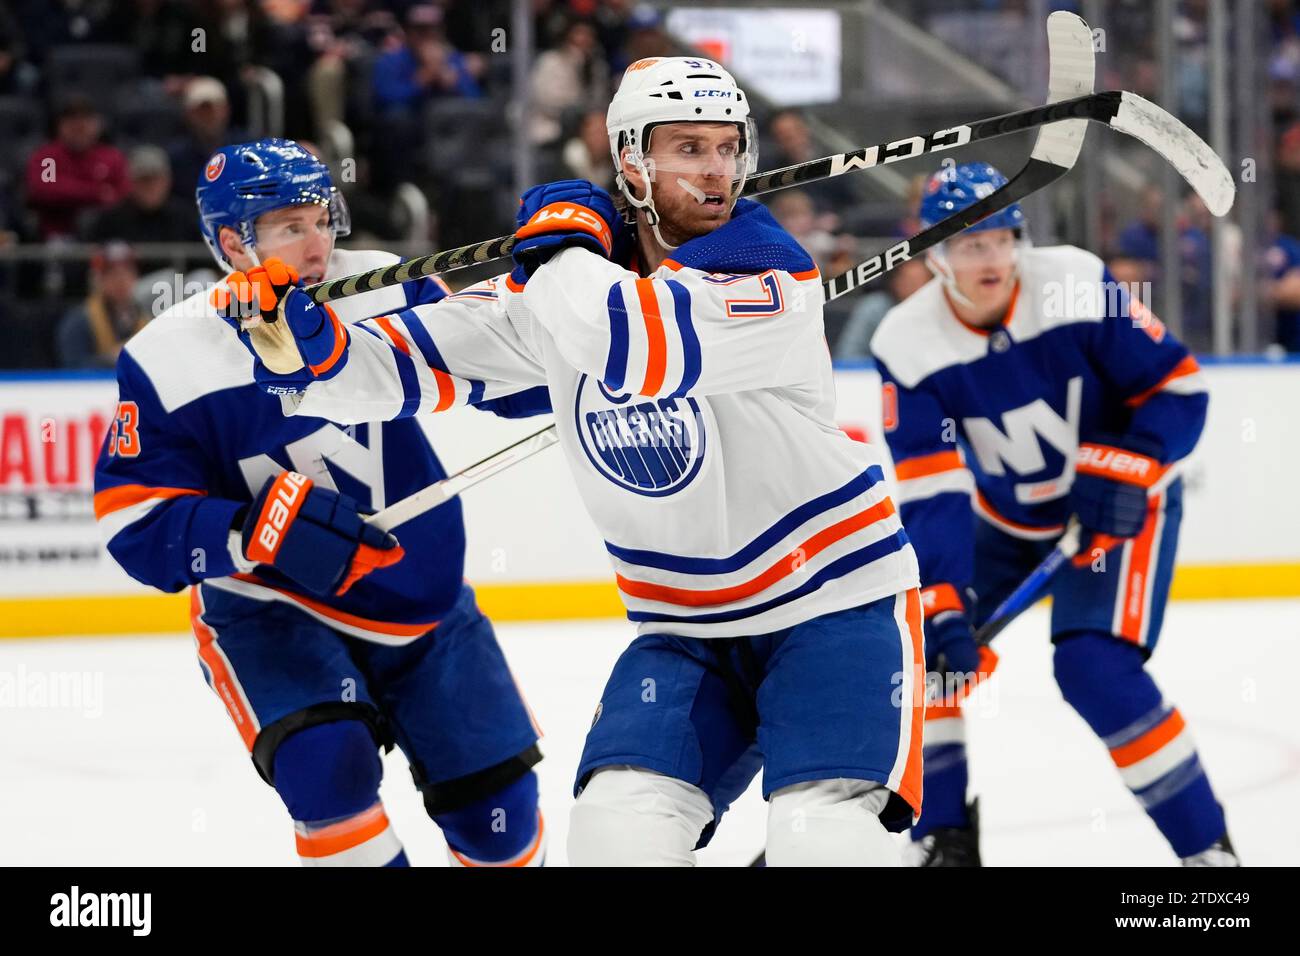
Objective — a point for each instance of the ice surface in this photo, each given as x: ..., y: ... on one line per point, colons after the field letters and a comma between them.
x: 149, y: 770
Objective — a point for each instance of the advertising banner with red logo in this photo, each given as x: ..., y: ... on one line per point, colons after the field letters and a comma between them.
x: 50, y: 435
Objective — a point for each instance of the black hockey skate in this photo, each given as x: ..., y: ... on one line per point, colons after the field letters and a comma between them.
x: 1218, y: 853
x: 949, y: 846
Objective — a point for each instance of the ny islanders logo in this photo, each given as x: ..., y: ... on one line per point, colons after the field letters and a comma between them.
x: 214, y: 167
x: 650, y: 446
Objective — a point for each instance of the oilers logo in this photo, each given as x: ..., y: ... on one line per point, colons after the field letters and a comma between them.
x: 650, y: 446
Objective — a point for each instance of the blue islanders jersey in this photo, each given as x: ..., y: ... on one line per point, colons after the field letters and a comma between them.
x: 993, y: 419
x: 194, y: 439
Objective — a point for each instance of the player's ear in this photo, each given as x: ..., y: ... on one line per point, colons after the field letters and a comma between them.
x: 231, y: 245
x: 632, y: 174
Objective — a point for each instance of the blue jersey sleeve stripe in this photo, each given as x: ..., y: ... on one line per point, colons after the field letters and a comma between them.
x: 410, y: 379
x: 423, y: 341
x: 805, y: 512
x: 475, y: 391
x: 836, y: 569
x: 616, y: 364
x: 691, y: 358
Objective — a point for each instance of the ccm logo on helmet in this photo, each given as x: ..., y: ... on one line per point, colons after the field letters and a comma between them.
x: 281, y: 505
x: 725, y: 94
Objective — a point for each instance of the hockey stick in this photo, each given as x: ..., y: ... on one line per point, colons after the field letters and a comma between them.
x: 1032, y: 587
x: 435, y: 494
x: 1071, y: 66
x: 1055, y: 150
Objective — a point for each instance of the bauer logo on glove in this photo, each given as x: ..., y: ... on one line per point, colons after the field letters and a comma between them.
x: 314, y: 536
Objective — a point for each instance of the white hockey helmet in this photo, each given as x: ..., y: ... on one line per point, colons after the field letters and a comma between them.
x: 675, y: 89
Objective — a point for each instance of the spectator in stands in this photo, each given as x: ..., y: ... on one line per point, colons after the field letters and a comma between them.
x: 794, y: 210
x: 150, y: 213
x: 207, y: 129
x: 1139, y: 259
x: 49, y: 23
x: 74, y: 172
x: 896, y: 285
x: 573, y: 76
x: 339, y: 36
x: 586, y: 155
x: 794, y: 144
x: 423, y: 65
x: 92, y: 334
x: 1283, y: 288
x: 1288, y: 178
x: 161, y: 32
x: 643, y: 36
x: 17, y: 77
x: 1139, y: 241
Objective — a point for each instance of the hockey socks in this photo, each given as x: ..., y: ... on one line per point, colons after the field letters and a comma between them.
x: 328, y: 777
x: 1105, y: 681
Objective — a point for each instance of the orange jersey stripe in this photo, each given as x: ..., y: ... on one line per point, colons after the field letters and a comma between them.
x: 787, y: 565
x: 909, y: 787
x: 1188, y: 366
x: 343, y: 617
x: 656, y: 342
x: 812, y: 273
x: 123, y: 496
x: 222, y: 682
x: 1134, y: 586
x: 446, y: 389
x: 399, y: 343
x: 1155, y: 738
x: 994, y: 514
x: 923, y: 465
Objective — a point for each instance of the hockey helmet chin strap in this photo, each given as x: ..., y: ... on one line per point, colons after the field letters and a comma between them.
x: 647, y: 205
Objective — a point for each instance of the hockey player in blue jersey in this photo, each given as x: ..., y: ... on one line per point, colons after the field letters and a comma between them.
x: 1024, y: 385
x: 324, y: 638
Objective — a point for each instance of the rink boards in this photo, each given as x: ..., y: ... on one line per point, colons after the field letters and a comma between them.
x: 533, y: 553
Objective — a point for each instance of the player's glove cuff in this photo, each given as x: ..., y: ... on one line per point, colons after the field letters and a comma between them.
x: 1111, y: 484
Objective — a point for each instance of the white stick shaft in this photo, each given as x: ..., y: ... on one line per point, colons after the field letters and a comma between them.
x: 426, y: 499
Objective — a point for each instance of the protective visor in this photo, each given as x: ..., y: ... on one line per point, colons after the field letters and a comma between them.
x: 708, y: 161
x: 287, y: 229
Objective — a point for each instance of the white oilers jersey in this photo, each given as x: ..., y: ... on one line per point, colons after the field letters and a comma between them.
x: 695, y: 410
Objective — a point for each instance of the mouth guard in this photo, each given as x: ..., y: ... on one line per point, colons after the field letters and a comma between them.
x: 697, y: 193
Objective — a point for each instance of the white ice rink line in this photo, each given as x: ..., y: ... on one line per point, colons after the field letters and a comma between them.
x: 149, y: 770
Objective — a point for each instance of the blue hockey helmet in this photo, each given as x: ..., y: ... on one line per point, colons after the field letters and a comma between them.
x: 953, y: 189
x: 244, y: 181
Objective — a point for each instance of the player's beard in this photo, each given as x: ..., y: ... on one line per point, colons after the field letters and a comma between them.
x: 682, y: 217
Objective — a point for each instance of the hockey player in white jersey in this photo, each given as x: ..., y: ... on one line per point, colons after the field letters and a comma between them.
x: 773, y: 589
x: 323, y: 638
